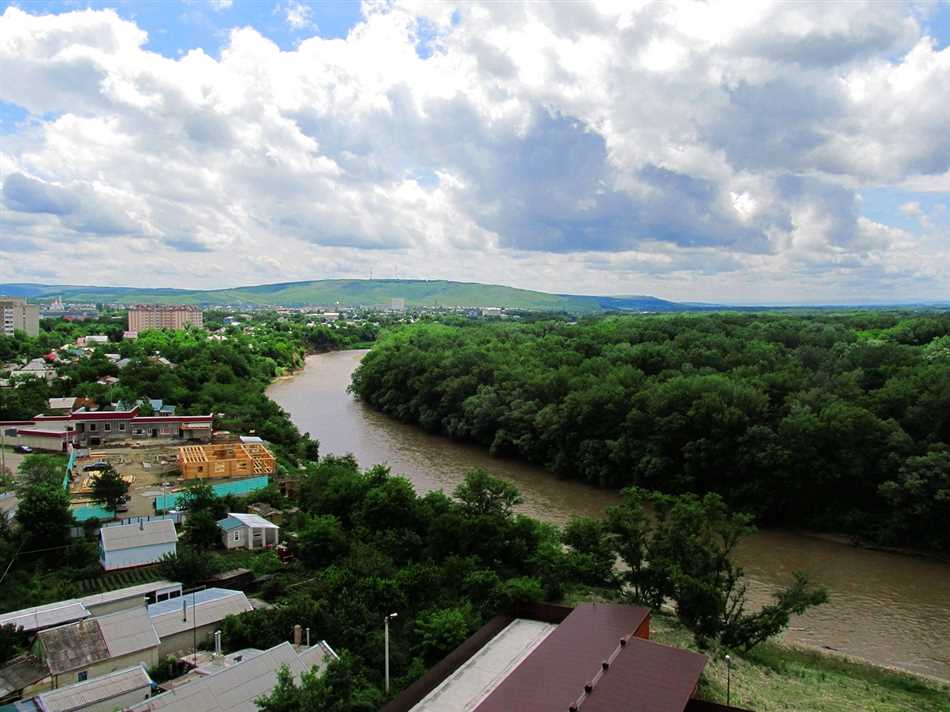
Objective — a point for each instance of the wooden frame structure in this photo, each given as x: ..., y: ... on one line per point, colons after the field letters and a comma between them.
x: 225, y: 460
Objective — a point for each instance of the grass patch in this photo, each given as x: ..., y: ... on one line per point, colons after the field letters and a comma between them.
x: 776, y: 677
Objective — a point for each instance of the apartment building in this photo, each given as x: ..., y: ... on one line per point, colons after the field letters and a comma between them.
x: 162, y: 316
x: 17, y: 315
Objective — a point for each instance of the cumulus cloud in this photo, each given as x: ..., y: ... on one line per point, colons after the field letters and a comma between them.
x: 698, y: 150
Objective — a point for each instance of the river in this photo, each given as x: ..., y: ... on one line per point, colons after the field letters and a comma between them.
x: 889, y: 609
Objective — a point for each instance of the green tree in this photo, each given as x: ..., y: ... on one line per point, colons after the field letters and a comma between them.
x: 320, y: 540
x: 201, y: 530
x: 441, y: 631
x: 343, y: 687
x: 109, y: 489
x: 189, y: 565
x: 482, y: 494
x: 920, y: 497
x: 41, y: 470
x: 13, y: 641
x: 43, y: 516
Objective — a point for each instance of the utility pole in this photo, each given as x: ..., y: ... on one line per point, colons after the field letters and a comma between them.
x: 386, y: 622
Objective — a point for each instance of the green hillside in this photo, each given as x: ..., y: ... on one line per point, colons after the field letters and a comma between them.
x: 349, y: 292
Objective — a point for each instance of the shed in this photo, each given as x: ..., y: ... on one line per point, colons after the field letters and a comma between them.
x: 47, y: 616
x: 248, y: 531
x: 117, y: 690
x: 129, y: 545
x: 19, y: 674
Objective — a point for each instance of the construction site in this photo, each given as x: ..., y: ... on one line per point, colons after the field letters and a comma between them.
x: 225, y: 460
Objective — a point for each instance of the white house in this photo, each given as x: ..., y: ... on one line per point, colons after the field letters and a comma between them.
x: 248, y: 531
x: 114, y: 691
x: 127, y: 545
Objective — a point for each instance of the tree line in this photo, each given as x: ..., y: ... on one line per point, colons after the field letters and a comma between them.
x: 835, y: 421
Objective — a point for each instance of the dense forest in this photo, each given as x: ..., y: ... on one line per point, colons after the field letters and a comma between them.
x: 834, y: 421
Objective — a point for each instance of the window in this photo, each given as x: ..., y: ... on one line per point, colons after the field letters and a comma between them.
x: 107, y: 427
x: 92, y: 427
x: 122, y: 427
x: 237, y: 536
x: 82, y: 676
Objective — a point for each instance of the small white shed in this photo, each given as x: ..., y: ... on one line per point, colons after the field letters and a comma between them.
x: 248, y: 531
x: 127, y: 545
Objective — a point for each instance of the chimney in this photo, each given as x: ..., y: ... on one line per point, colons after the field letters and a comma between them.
x: 308, y: 637
x: 298, y: 634
x: 217, y: 642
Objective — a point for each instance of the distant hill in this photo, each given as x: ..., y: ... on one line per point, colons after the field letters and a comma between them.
x: 350, y: 292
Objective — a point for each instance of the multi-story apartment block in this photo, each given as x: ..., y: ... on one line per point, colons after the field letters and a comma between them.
x: 17, y: 315
x: 161, y: 316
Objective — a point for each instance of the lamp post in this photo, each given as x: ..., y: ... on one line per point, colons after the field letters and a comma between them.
x: 728, y: 679
x: 386, y: 624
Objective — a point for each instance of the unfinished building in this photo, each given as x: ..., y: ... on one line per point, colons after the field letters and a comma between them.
x: 225, y: 460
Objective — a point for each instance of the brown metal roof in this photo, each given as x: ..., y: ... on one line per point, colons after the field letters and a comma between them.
x: 552, y: 678
x: 646, y: 676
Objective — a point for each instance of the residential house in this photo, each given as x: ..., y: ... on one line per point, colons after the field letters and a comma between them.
x: 188, y: 621
x: 248, y: 531
x: 235, y: 688
x: 115, y: 691
x: 595, y: 657
x: 90, y: 648
x: 128, y: 545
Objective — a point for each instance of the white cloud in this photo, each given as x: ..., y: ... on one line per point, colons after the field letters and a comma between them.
x: 219, y: 5
x: 683, y: 148
x: 297, y: 15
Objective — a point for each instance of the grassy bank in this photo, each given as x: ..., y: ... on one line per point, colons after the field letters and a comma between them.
x: 777, y: 677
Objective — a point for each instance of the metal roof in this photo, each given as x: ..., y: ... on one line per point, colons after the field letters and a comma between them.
x: 317, y: 656
x: 81, y: 644
x: 128, y: 631
x: 46, y: 616
x: 73, y: 646
x: 132, y: 536
x: 248, y: 520
x: 120, y: 594
x: 20, y: 673
x: 98, y: 690
x: 553, y: 676
x: 232, y: 690
x: 207, y: 607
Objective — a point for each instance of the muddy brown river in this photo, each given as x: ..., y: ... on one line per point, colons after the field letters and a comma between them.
x: 890, y: 609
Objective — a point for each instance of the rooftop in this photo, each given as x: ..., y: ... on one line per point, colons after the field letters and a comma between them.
x: 208, y: 606
x: 234, y: 689
x: 235, y: 520
x: 597, y: 659
x: 131, y: 536
x: 47, y: 616
x: 95, y: 639
x: 96, y: 691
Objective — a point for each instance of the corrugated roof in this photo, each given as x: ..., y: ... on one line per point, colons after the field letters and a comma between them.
x: 98, y: 690
x: 20, y: 673
x: 81, y: 644
x: 46, y: 616
x: 553, y: 676
x: 128, y: 631
x: 120, y: 594
x: 132, y: 536
x: 250, y: 520
x: 208, y: 606
x: 647, y: 676
x: 61, y: 403
x: 72, y: 646
x: 317, y: 656
x: 231, y: 690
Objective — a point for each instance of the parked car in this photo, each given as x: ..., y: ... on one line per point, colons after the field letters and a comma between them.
x: 25, y: 449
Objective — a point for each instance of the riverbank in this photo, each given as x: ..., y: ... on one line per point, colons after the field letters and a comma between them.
x: 776, y: 677
x: 891, y: 610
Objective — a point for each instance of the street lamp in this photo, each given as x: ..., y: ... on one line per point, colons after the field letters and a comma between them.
x: 386, y: 623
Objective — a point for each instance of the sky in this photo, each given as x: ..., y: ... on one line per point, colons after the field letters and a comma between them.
x: 702, y: 151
